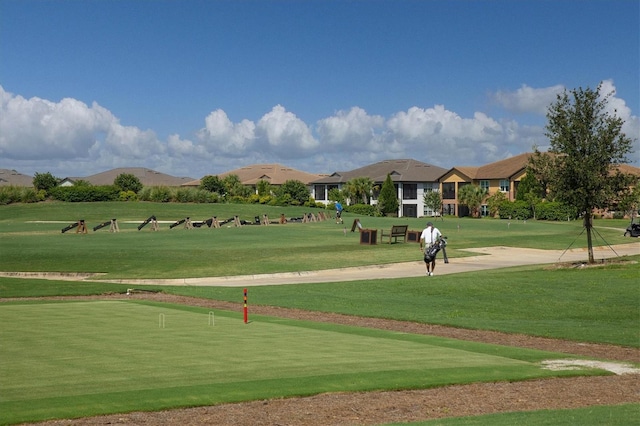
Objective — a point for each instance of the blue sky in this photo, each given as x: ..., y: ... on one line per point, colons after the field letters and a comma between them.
x: 192, y: 88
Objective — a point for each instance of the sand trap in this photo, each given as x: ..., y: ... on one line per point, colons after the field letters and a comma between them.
x: 579, y: 364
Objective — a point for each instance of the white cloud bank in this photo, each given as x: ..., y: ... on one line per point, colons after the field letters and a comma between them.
x: 71, y: 138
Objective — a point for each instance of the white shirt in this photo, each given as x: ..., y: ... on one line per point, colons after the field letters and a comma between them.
x: 430, y: 235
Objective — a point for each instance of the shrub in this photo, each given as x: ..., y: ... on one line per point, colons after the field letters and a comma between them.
x: 128, y: 196
x: 184, y: 195
x: 515, y: 210
x: 75, y: 194
x: 10, y: 194
x: 160, y: 194
x: 265, y: 199
x: 238, y: 199
x: 29, y: 195
x: 363, y: 210
x: 555, y: 211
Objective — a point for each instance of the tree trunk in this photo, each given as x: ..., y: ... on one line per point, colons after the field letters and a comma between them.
x: 588, y: 223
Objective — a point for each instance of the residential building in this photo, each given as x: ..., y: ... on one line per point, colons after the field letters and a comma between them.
x: 411, y: 179
x: 503, y: 176
x: 275, y: 174
x: 14, y: 178
x: 146, y: 176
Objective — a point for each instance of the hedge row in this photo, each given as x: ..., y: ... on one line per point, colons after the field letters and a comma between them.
x: 521, y: 210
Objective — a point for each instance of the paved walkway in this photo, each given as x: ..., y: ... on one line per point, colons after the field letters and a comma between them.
x: 488, y: 258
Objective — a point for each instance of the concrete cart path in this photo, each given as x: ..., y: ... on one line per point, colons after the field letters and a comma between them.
x: 487, y: 258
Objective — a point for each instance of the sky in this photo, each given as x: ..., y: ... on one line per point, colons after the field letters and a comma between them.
x: 200, y: 87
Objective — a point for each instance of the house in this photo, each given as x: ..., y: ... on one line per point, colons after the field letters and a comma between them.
x: 146, y: 176
x: 275, y: 174
x: 503, y: 176
x: 411, y: 179
x: 14, y: 178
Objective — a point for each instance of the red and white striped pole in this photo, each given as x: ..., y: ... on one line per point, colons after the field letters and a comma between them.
x: 246, y: 313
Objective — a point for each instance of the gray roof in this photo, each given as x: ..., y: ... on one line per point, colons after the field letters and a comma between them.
x: 14, y: 178
x: 404, y: 170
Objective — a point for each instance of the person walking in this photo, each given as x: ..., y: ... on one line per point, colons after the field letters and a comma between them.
x: 429, y: 236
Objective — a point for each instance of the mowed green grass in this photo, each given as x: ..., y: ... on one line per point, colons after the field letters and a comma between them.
x: 74, y: 359
x: 31, y: 242
x: 597, y: 305
x: 616, y: 415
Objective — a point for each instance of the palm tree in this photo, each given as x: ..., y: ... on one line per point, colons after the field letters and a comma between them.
x: 360, y: 188
x: 472, y: 197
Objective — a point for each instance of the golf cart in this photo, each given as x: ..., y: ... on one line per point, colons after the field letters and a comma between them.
x: 633, y: 229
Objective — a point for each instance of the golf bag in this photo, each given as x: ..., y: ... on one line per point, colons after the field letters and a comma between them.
x: 432, y: 251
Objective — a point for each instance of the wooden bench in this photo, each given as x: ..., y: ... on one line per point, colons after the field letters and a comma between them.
x: 397, y: 231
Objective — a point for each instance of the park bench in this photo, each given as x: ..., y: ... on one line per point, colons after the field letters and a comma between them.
x: 397, y: 231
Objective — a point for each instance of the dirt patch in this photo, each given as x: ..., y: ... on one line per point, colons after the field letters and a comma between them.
x: 371, y: 408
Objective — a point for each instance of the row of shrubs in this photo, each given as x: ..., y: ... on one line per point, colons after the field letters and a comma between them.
x: 522, y: 210
x: 519, y: 210
x: 159, y: 194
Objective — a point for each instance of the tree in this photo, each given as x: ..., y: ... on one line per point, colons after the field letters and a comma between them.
x: 472, y: 197
x: 45, y: 181
x: 589, y: 145
x: 495, y: 201
x: 433, y: 201
x: 234, y: 188
x: 336, y: 195
x: 360, y: 188
x: 127, y: 182
x: 541, y: 166
x: 629, y: 199
x: 530, y: 191
x: 212, y: 184
x: 388, y: 199
x: 296, y: 190
x: 263, y: 187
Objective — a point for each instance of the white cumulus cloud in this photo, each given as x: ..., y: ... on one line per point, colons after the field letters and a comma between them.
x: 222, y: 135
x: 283, y: 133
x: 528, y: 99
x: 349, y: 128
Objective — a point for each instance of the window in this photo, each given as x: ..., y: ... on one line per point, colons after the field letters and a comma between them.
x: 319, y: 191
x: 449, y: 191
x: 504, y: 185
x: 410, y: 191
x: 484, y: 210
x: 484, y: 184
x: 449, y: 209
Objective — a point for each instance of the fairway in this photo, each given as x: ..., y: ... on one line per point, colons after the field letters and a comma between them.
x: 81, y: 358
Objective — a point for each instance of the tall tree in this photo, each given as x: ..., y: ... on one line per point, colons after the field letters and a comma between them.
x: 212, y: 184
x: 541, y: 166
x: 589, y: 144
x: 388, y: 198
x: 530, y: 191
x: 472, y: 197
x: 128, y: 182
x: 45, y: 181
x: 296, y: 190
x: 433, y: 201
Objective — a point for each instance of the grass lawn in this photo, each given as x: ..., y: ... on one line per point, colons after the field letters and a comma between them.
x: 34, y: 243
x: 75, y: 359
x: 85, y: 358
x: 617, y: 415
